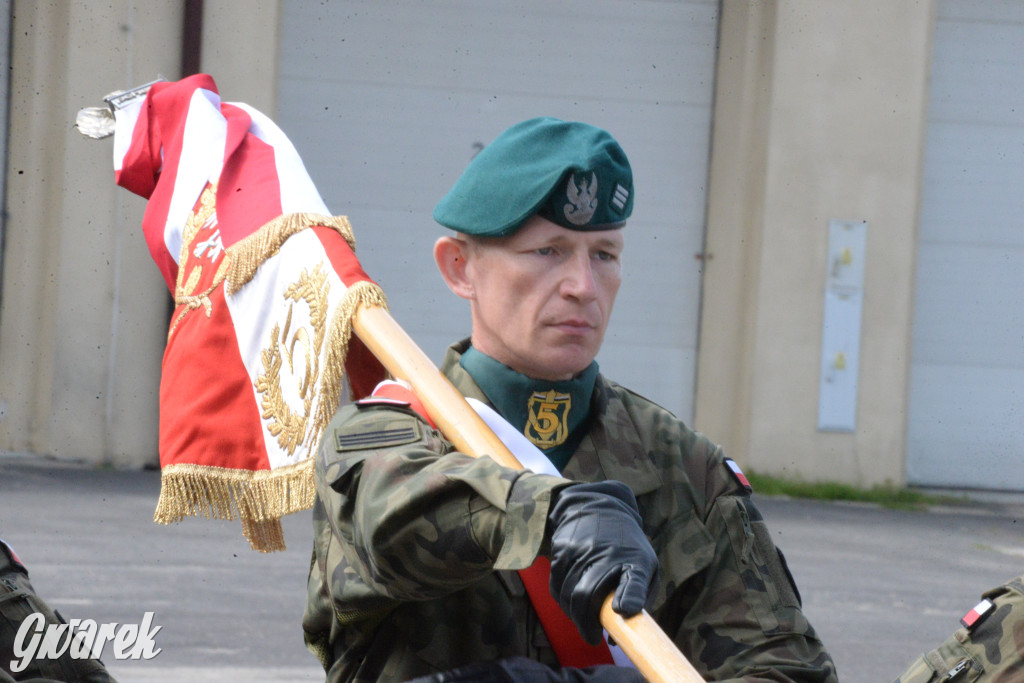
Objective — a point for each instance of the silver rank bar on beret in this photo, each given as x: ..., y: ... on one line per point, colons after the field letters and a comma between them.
x: 620, y: 197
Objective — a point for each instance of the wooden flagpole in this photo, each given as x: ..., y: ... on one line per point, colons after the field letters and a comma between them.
x: 639, y: 636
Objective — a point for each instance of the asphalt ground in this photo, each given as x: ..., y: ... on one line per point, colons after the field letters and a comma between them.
x: 880, y: 585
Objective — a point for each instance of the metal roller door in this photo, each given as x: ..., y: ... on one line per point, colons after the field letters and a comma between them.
x: 966, y: 413
x: 388, y: 101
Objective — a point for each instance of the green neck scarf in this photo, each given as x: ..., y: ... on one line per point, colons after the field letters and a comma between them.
x: 551, y: 414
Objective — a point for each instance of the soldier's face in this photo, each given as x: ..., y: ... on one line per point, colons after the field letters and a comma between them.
x: 541, y: 298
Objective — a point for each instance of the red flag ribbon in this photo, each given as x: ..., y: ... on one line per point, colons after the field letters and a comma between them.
x: 565, y: 638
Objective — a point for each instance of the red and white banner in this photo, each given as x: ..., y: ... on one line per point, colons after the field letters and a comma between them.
x: 265, y: 283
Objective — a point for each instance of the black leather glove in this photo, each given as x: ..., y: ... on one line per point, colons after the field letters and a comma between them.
x: 597, y: 546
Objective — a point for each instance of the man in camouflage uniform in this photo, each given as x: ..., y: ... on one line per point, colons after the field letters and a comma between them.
x: 414, y: 544
x: 988, y: 649
x: 18, y: 600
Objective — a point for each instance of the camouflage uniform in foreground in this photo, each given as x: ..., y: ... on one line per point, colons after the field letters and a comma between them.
x: 403, y: 579
x: 989, y: 651
x: 18, y: 600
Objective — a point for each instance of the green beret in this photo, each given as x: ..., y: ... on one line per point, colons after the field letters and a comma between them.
x: 571, y: 173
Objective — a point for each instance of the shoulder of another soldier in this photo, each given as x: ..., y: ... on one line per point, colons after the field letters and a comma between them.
x: 669, y: 439
x: 1000, y: 606
x: 1015, y: 585
x: 9, y: 560
x: 987, y: 647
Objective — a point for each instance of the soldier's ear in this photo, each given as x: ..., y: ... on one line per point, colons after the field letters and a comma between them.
x: 452, y: 255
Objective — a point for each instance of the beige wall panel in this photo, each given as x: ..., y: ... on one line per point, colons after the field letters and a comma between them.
x: 29, y: 248
x: 84, y: 310
x: 28, y: 345
x: 846, y: 98
x: 240, y: 50
x: 733, y: 237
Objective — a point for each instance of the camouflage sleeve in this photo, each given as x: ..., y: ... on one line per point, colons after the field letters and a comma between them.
x: 740, y: 616
x: 989, y: 647
x: 18, y: 601
x: 417, y: 520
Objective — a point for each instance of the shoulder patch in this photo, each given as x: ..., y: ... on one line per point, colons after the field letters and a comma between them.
x: 12, y: 557
x: 738, y: 475
x: 978, y: 613
x: 371, y: 401
x: 387, y: 431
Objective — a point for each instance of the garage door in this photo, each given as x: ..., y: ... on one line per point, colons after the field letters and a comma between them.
x: 388, y: 101
x: 966, y: 419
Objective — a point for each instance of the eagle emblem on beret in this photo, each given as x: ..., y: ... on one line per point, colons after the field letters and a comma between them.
x: 582, y: 199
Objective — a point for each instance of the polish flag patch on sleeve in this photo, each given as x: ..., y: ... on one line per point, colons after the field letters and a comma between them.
x: 6, y: 549
x: 978, y: 613
x: 396, y: 393
x: 738, y: 474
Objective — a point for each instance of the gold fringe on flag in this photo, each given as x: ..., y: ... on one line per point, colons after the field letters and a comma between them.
x: 248, y: 254
x: 358, y: 295
x: 259, y: 498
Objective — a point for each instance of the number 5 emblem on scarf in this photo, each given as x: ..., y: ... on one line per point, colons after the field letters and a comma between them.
x: 547, y: 424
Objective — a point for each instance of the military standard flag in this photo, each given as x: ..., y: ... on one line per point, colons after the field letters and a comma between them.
x: 265, y: 283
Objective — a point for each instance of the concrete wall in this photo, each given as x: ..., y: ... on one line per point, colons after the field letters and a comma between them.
x: 240, y: 50
x: 83, y: 310
x: 820, y: 114
x: 82, y: 318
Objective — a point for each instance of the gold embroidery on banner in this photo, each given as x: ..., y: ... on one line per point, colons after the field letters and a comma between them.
x: 298, y: 351
x: 186, y: 298
x: 360, y: 294
x: 547, y: 423
x: 245, y: 258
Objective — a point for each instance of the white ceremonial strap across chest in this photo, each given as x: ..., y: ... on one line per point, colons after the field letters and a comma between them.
x: 533, y: 459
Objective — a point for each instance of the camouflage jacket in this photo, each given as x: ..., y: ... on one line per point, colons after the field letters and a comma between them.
x: 413, y: 543
x: 990, y: 650
x: 18, y: 601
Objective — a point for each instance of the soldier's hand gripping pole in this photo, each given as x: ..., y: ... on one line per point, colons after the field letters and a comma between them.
x: 639, y: 636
